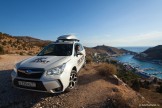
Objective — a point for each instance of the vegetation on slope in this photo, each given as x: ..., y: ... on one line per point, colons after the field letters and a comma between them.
x: 20, y: 45
x: 1, y: 50
x: 106, y: 69
x: 107, y: 50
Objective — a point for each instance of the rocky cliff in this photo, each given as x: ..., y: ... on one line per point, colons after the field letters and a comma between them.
x: 153, y: 53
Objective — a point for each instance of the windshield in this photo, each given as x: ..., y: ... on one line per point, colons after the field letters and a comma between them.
x: 57, y: 50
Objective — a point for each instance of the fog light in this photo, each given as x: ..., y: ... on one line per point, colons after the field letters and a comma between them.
x: 57, y: 89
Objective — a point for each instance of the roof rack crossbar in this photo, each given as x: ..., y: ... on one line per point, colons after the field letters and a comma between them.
x: 69, y: 40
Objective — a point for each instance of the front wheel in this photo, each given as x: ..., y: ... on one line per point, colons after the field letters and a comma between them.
x: 73, y: 80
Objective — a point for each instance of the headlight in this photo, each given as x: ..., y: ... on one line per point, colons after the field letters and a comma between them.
x: 15, y: 68
x: 56, y: 71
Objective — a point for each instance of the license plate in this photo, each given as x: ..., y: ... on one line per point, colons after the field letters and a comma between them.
x: 27, y: 84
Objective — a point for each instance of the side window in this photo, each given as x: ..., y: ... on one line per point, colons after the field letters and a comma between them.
x: 78, y: 47
x: 81, y: 47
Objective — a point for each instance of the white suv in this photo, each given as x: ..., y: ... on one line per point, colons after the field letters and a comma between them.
x: 54, y: 69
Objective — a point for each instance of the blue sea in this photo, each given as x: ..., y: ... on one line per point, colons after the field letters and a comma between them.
x: 141, y: 64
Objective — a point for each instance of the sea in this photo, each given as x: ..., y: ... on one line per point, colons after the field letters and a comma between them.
x: 144, y: 65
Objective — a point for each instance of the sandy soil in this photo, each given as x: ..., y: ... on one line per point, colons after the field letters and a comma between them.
x: 93, y: 91
x: 8, y: 61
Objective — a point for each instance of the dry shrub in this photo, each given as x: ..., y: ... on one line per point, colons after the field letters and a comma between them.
x: 117, y: 101
x: 106, y: 70
x: 1, y: 50
x: 21, y: 53
x: 89, y: 59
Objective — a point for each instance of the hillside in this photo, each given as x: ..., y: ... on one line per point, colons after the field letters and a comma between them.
x: 154, y: 53
x: 91, y: 51
x: 20, y: 44
x: 107, y: 49
x: 34, y: 41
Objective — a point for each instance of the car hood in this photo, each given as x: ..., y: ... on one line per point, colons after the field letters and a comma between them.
x: 45, y: 62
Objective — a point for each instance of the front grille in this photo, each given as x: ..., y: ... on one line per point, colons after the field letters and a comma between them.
x: 39, y: 85
x: 34, y: 73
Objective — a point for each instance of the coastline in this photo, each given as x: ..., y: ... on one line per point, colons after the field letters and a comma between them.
x: 159, y: 62
x: 140, y: 71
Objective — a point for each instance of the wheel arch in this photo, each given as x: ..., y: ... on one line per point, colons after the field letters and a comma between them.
x: 74, y: 68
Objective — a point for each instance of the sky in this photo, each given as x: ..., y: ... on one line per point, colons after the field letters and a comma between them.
x: 95, y: 22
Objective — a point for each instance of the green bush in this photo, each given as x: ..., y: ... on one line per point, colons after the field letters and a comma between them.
x: 159, y: 89
x: 145, y: 84
x: 136, y: 85
x: 155, y: 80
x: 113, y: 61
x: 105, y: 69
x: 126, y: 76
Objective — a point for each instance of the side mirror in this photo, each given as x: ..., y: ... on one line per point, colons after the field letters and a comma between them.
x: 79, y: 53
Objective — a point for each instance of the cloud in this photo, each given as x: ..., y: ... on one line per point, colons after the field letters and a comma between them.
x: 147, y: 39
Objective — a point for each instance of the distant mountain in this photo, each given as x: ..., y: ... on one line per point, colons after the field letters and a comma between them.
x: 154, y: 53
x: 128, y: 51
x: 23, y: 45
x: 107, y: 49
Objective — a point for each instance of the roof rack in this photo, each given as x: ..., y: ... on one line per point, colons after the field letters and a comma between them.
x: 67, y: 38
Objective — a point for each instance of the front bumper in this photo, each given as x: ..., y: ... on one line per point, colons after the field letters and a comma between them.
x: 51, y: 86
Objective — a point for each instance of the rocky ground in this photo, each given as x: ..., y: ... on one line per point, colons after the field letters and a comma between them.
x: 93, y: 91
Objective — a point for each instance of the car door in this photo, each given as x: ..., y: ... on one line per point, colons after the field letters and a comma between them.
x: 79, y: 58
x: 82, y: 58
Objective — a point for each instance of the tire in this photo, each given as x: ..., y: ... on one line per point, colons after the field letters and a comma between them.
x: 73, y: 81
